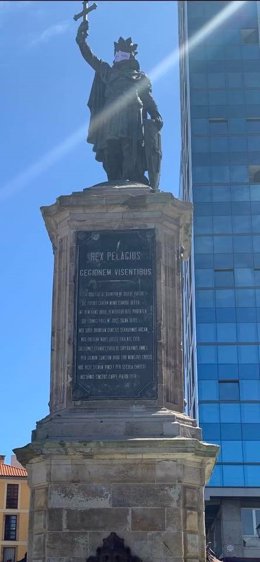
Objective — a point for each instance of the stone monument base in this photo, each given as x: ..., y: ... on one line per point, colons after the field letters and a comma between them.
x: 116, y: 457
x: 149, y: 491
x: 115, y: 422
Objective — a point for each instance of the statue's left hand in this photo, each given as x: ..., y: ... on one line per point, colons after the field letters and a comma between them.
x: 158, y: 122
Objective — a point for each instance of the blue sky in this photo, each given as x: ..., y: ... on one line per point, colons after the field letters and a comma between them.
x: 44, y: 87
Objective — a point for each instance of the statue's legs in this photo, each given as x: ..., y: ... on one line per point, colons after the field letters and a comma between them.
x: 113, y: 160
x: 133, y: 166
x: 123, y: 160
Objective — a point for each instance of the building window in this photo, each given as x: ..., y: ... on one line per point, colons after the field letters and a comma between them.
x: 10, y: 527
x: 9, y: 554
x: 249, y: 35
x: 254, y: 174
x: 253, y: 124
x: 229, y: 390
x: 218, y: 125
x: 250, y: 518
x: 12, y: 496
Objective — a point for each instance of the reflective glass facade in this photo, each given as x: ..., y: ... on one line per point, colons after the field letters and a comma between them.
x: 220, y: 102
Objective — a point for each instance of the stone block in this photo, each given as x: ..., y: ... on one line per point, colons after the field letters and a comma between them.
x: 117, y: 519
x: 40, y: 498
x: 79, y: 496
x: 201, y: 522
x: 40, y: 473
x: 166, y: 545
x: 173, y: 519
x: 38, y: 546
x: 147, y: 519
x: 74, y: 559
x: 191, y: 545
x: 113, y: 472
x: 191, y: 520
x: 167, y: 471
x: 39, y: 521
x: 192, y: 475
x: 136, y: 495
x: 61, y: 471
x: 56, y: 559
x: 166, y: 559
x: 191, y: 497
x: 55, y: 519
x: 73, y: 544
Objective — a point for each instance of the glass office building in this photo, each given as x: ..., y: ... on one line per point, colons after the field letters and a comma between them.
x: 220, y: 174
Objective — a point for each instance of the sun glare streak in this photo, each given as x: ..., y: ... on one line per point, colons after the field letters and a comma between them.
x: 158, y: 71
x: 196, y: 39
x: 33, y: 171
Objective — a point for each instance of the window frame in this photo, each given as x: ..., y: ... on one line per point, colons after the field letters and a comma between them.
x: 247, y: 33
x: 12, y: 497
x: 5, y: 548
x: 10, y: 530
x: 253, y: 510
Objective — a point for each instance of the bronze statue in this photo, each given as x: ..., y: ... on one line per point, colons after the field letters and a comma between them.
x: 124, y: 139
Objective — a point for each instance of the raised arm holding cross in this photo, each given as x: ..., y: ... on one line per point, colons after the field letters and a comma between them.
x: 84, y: 14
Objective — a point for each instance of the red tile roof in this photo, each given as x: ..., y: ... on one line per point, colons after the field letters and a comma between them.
x: 8, y: 470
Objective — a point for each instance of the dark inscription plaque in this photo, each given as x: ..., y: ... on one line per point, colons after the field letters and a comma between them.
x: 115, y: 316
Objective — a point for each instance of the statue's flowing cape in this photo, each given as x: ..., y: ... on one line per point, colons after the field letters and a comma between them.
x: 96, y: 104
x: 146, y: 140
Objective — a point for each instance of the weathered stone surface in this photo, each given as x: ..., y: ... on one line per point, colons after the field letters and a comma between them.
x: 191, y: 520
x: 191, y: 545
x: 40, y: 474
x: 168, y: 471
x: 173, y: 519
x: 40, y: 498
x: 55, y: 519
x: 61, y: 471
x: 148, y: 508
x: 113, y: 472
x: 137, y: 495
x: 191, y: 497
x: 147, y: 519
x: 193, y: 475
x: 39, y: 521
x: 56, y: 559
x: 38, y: 549
x: 133, y: 467
x: 98, y: 519
x: 66, y: 559
x: 166, y: 545
x: 98, y: 209
x: 153, y: 510
x: 73, y: 544
x: 79, y: 496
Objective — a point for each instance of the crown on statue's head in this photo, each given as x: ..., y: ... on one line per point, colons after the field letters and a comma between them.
x: 126, y: 45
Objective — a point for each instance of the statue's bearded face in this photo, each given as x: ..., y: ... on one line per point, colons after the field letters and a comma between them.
x: 121, y: 55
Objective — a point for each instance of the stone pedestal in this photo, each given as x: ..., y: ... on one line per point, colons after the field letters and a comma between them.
x: 131, y: 465
x: 148, y: 491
